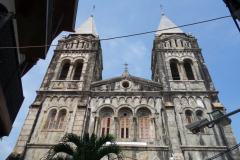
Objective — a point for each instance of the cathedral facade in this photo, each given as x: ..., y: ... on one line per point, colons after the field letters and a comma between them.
x: 147, y: 117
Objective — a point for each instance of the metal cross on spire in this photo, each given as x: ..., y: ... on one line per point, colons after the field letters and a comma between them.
x: 126, y: 64
x: 93, y: 10
x: 161, y: 9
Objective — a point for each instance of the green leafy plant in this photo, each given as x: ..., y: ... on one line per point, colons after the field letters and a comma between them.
x: 84, y: 148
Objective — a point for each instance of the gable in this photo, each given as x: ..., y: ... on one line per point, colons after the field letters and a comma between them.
x: 123, y: 83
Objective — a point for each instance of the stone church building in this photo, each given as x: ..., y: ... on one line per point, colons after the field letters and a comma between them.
x: 147, y: 117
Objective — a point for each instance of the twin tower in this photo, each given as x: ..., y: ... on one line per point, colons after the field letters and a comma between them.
x: 147, y: 118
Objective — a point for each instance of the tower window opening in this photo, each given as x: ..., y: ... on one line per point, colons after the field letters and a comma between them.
x: 189, y: 117
x: 61, y: 119
x: 170, y: 43
x: 188, y: 71
x: 176, y: 43
x: 77, y: 44
x: 182, y: 43
x: 174, y: 70
x: 199, y: 115
x: 78, y: 71
x: 64, y: 72
x: 51, y: 120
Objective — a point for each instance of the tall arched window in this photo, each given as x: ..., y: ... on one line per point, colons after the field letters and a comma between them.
x: 64, y: 72
x: 78, y: 71
x: 51, y: 118
x: 189, y: 117
x: 61, y: 118
x: 125, y: 127
x: 188, y: 70
x: 174, y: 70
x: 143, y: 128
x: 106, y: 122
x: 199, y: 115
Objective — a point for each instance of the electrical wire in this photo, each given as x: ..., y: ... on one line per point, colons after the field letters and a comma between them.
x: 225, y: 152
x: 130, y: 34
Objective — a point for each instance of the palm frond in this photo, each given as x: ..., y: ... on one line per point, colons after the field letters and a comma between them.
x: 102, y: 140
x: 73, y: 138
x: 63, y: 147
x: 107, y: 150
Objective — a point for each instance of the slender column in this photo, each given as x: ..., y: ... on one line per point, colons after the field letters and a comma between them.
x: 70, y: 71
x: 183, y: 71
x: 135, y: 128
x: 96, y: 125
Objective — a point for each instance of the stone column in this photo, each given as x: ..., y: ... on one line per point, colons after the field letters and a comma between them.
x: 96, y: 125
x: 116, y: 120
x: 135, y: 128
x: 175, y: 144
x: 70, y: 71
x: 183, y: 75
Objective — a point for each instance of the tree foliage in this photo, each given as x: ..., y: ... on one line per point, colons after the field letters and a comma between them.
x: 85, y: 148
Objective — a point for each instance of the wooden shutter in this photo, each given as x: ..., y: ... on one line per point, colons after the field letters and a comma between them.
x: 144, y: 127
x: 51, y: 121
x: 125, y: 127
x: 61, y: 120
x: 106, y: 123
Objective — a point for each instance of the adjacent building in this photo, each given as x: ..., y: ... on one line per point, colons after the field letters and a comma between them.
x: 147, y: 117
x: 26, y: 23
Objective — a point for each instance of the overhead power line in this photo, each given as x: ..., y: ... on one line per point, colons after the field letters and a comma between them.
x: 131, y: 35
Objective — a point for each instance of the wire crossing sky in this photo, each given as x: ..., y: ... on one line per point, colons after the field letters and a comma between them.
x: 219, y: 41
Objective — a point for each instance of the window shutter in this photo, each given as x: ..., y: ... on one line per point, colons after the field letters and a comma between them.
x: 51, y: 120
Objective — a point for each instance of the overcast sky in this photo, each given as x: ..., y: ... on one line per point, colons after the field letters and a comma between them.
x: 219, y: 41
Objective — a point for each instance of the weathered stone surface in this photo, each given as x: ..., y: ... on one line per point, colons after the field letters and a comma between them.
x: 133, y: 109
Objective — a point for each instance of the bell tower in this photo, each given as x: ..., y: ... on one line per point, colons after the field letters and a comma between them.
x: 61, y: 103
x: 177, y: 61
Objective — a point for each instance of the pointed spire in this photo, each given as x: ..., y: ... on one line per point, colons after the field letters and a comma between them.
x: 88, y: 27
x: 166, y: 23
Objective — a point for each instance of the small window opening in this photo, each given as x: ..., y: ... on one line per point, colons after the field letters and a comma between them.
x: 189, y: 117
x: 77, y: 44
x: 64, y: 72
x: 61, y: 119
x: 78, y: 71
x: 125, y: 84
x: 188, y: 70
x: 170, y: 43
x: 51, y: 121
x: 199, y: 118
x: 174, y: 70
x: 125, y: 125
x: 106, y: 125
x: 176, y: 43
x: 182, y: 43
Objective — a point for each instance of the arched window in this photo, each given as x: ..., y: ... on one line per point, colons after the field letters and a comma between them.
x: 61, y: 118
x: 188, y: 70
x: 125, y: 127
x: 106, y: 122
x: 189, y: 117
x: 52, y: 115
x: 143, y: 128
x: 199, y: 115
x: 174, y: 70
x: 64, y: 72
x: 78, y: 71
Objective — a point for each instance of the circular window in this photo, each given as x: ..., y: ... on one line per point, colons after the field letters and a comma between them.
x: 125, y: 84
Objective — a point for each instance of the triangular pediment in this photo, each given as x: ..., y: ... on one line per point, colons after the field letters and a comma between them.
x: 125, y: 83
